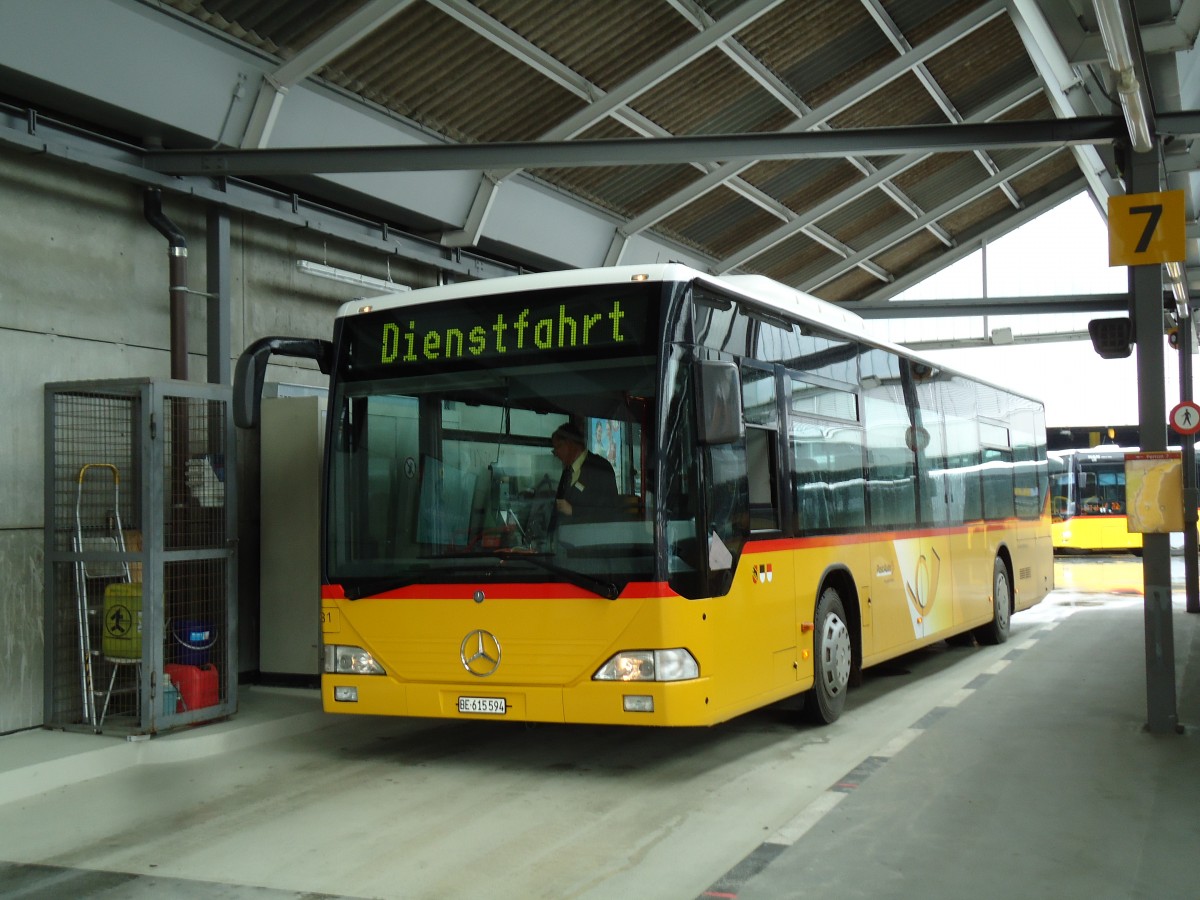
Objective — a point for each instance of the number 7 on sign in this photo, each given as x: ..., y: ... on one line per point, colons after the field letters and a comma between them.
x: 1146, y: 229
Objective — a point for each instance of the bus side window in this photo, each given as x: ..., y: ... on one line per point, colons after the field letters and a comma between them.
x: 760, y: 467
x: 760, y: 406
x: 812, y: 500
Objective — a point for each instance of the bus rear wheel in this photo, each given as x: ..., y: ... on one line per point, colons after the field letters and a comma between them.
x: 996, y: 631
x: 832, y: 659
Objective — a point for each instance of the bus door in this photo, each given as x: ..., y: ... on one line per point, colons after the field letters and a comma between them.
x: 770, y: 589
x: 929, y: 585
x: 971, y: 556
x: 828, y: 493
x: 895, y: 567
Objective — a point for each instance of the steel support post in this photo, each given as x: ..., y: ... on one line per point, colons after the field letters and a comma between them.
x: 1143, y: 175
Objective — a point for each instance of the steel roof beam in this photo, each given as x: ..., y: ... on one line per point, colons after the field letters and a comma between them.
x: 851, y: 193
x: 817, y: 116
x: 966, y: 247
x: 601, y: 103
x: 641, y: 151
x: 991, y: 306
x: 274, y: 85
x: 31, y: 134
x: 950, y: 206
x: 897, y: 39
x: 783, y: 94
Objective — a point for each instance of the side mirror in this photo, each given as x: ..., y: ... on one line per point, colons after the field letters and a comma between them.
x: 718, y: 403
x: 251, y: 369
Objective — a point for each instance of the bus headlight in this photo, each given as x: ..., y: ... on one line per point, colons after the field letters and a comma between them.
x: 649, y: 665
x: 342, y: 659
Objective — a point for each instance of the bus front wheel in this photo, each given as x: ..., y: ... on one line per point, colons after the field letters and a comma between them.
x: 996, y: 631
x: 832, y: 658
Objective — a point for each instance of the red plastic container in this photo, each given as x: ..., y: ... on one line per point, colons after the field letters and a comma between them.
x: 199, y: 686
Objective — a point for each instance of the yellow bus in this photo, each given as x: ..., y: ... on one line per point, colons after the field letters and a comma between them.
x: 1088, y: 505
x: 793, y: 502
x: 1088, y: 501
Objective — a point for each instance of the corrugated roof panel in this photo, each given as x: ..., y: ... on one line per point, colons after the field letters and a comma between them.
x: 606, y: 44
x: 971, y: 78
x: 280, y: 27
x: 865, y: 220
x: 910, y: 253
x: 939, y: 178
x: 818, y: 47
x: 977, y: 215
x: 719, y: 8
x: 712, y: 95
x: 1035, y: 108
x: 802, y: 184
x: 919, y: 20
x: 905, y: 102
x: 788, y: 261
x: 624, y: 190
x: 1055, y: 173
x: 425, y: 65
x: 853, y: 285
x: 719, y: 222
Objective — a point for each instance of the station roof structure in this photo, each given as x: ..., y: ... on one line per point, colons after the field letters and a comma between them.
x: 849, y: 148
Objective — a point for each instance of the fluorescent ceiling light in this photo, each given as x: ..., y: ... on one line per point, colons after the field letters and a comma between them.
x: 320, y: 270
x: 1114, y: 31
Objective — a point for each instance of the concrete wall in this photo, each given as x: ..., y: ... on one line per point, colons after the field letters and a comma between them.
x: 83, y: 295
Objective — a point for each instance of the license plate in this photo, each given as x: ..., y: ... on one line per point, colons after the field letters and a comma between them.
x: 487, y: 706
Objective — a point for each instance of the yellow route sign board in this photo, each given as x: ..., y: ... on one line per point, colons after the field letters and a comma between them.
x: 1154, y: 492
x: 1146, y: 229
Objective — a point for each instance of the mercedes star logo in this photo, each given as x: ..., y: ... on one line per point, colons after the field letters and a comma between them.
x: 480, y: 653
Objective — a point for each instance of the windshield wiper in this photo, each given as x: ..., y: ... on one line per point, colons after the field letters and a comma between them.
x: 374, y: 586
x: 606, y: 589
x: 370, y: 586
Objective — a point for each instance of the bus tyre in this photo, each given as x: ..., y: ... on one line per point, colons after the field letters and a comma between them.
x: 996, y: 631
x: 832, y: 658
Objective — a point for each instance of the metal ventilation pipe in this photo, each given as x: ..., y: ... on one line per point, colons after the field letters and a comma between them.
x: 177, y: 274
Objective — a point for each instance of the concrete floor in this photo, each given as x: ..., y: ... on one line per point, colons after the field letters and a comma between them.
x: 1014, y: 771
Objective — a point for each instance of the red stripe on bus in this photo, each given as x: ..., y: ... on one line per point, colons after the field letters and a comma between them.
x: 635, y: 590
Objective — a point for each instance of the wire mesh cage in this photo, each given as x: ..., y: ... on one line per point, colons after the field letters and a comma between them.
x: 140, y: 580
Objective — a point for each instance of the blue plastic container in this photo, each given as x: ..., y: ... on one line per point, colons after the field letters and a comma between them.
x: 193, y: 641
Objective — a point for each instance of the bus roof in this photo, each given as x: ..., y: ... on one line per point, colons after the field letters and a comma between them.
x: 757, y: 288
x: 754, y: 288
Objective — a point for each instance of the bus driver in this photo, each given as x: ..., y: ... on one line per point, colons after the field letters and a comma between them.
x: 587, y: 491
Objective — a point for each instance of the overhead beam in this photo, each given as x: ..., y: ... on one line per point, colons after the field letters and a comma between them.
x: 274, y: 85
x: 852, y: 192
x: 991, y: 306
x: 962, y: 199
x: 973, y: 243
x: 601, y: 103
x: 816, y: 118
x: 648, y: 151
x: 33, y: 135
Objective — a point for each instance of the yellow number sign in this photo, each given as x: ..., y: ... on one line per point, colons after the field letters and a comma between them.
x: 1146, y: 229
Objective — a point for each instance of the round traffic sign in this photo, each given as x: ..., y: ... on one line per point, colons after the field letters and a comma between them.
x: 1185, y: 417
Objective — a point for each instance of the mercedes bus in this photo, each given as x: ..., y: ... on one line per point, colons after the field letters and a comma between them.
x: 797, y: 501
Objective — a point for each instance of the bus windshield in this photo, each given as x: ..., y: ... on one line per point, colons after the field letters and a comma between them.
x: 1101, y: 487
x: 441, y: 464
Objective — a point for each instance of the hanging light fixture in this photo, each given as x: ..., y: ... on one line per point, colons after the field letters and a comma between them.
x: 320, y: 270
x: 1135, y: 101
